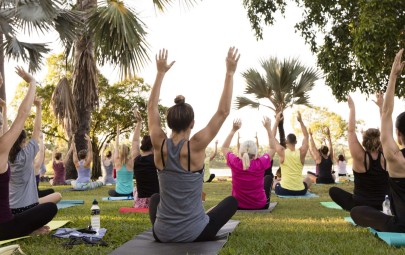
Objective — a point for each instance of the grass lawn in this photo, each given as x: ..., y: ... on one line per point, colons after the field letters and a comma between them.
x: 296, y: 226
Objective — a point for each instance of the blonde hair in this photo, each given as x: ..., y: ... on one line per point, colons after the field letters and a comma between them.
x: 124, y: 154
x: 247, y: 151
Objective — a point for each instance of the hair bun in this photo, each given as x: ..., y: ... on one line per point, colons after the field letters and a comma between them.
x: 179, y: 100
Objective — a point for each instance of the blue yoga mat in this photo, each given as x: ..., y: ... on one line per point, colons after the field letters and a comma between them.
x: 69, y: 203
x: 307, y: 195
x: 391, y: 238
x: 117, y: 198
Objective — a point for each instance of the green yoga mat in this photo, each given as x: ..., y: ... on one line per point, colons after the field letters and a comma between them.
x: 391, y: 238
x: 68, y: 203
x: 307, y: 195
x: 331, y: 205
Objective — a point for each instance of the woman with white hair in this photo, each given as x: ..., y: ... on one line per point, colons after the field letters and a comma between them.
x: 249, y: 185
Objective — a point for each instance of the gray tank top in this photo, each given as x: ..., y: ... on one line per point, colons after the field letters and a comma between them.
x: 180, y: 214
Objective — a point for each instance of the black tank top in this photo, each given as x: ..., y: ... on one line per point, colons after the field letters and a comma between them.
x: 325, y: 168
x: 373, y: 184
x: 145, y: 173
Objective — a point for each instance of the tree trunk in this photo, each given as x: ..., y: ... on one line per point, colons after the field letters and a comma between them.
x: 96, y: 170
x: 281, y: 132
x: 71, y: 172
x: 84, y: 81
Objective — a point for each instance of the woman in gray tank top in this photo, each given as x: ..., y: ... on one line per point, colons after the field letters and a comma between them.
x: 177, y: 214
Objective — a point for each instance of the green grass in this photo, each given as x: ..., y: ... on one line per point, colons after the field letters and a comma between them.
x: 296, y: 226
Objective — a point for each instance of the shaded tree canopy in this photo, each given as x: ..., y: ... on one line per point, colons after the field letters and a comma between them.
x: 359, y: 39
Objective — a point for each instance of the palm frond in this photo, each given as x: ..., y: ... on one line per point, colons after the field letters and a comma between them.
x: 28, y: 52
x: 244, y: 101
x: 128, y: 48
x: 255, y: 84
x: 161, y: 5
x: 63, y: 105
x: 306, y: 81
x: 290, y: 69
x: 67, y: 24
x: 5, y: 23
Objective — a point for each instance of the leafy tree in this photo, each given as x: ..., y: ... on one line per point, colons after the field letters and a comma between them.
x: 360, y: 39
x: 284, y: 83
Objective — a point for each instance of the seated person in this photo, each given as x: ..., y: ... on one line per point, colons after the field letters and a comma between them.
x: 38, y: 164
x: 249, y: 184
x: 367, y: 216
x: 59, y: 167
x: 323, y: 160
x: 369, y: 168
x: 145, y: 171
x: 107, y: 166
x: 32, y: 220
x: 292, y: 162
x: 82, y: 161
x: 124, y: 163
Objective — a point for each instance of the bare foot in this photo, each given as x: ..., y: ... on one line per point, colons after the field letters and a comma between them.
x: 41, y: 231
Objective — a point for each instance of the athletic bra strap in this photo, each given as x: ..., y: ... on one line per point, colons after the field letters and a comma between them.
x: 161, y: 153
x: 188, y: 152
x: 365, y: 160
x: 385, y: 161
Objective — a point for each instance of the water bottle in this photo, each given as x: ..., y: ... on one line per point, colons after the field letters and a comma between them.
x: 95, y: 215
x: 387, y: 206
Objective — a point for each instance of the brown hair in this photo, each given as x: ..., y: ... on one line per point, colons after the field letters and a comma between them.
x: 82, y: 154
x: 371, y: 139
x: 400, y: 123
x: 291, y: 139
x: 58, y: 155
x: 180, y: 115
x: 17, y: 146
x: 146, y: 143
x: 324, y: 149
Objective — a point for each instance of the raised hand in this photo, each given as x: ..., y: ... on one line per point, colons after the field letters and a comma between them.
x: 279, y: 117
x: 310, y: 131
x: 87, y: 137
x: 37, y: 101
x: 23, y: 74
x: 232, y: 60
x: 2, y: 103
x: 237, y: 123
x: 266, y: 123
x: 350, y: 102
x: 379, y: 99
x: 137, y: 115
x: 161, y: 61
x: 398, y: 66
x: 299, y: 118
x: 327, y: 131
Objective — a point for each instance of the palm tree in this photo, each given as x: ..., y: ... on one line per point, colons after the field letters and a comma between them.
x: 41, y: 16
x: 284, y: 84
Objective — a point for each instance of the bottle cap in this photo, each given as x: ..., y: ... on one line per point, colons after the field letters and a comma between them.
x: 95, y: 202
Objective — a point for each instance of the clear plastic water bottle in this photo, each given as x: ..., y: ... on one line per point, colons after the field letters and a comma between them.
x: 95, y: 215
x: 387, y: 206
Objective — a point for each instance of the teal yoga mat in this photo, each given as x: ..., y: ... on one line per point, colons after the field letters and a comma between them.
x: 331, y: 205
x: 391, y: 238
x: 307, y: 195
x: 69, y: 203
x: 117, y: 198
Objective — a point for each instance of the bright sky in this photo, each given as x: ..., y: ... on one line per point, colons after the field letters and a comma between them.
x: 198, y: 39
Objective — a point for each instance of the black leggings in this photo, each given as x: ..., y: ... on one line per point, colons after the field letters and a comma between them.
x: 212, y: 176
x: 113, y: 193
x: 347, y: 200
x: 367, y: 216
x: 45, y: 192
x: 219, y: 216
x: 28, y: 221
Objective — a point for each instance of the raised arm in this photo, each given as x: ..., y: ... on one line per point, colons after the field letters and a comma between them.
x: 75, y: 158
x: 237, y: 123
x: 379, y: 101
x: 279, y: 149
x: 156, y: 132
x: 238, y: 142
x: 3, y: 106
x: 38, y: 119
x: 66, y: 158
x: 89, y: 156
x: 135, y: 139
x: 356, y: 150
x: 305, y: 144
x: 202, y: 138
x: 312, y: 149
x: 272, y: 142
x: 8, y: 138
x: 116, y: 156
x: 215, y: 151
x: 330, y: 144
x: 102, y: 156
x: 392, y: 153
x: 257, y: 141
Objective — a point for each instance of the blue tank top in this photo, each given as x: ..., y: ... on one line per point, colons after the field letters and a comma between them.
x: 83, y: 173
x: 180, y: 214
x: 125, y: 181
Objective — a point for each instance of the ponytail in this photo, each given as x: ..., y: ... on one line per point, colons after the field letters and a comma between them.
x: 245, y: 161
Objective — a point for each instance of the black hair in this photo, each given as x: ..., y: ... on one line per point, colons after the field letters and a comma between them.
x: 400, y: 123
x: 17, y: 146
x: 146, y: 143
x: 180, y: 115
x: 291, y: 139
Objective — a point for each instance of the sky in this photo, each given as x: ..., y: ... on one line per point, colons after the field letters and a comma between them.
x: 198, y: 39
